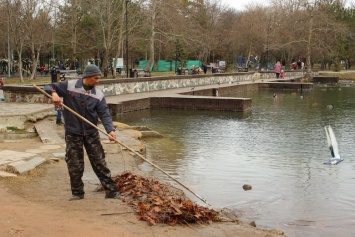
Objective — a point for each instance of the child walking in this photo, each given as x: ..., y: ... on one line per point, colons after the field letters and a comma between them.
x: 282, y: 74
x: 59, y: 109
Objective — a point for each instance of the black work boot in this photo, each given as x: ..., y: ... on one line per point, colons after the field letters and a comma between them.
x: 115, y: 195
x: 74, y: 198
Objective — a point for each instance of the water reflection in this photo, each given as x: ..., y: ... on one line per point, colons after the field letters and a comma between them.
x: 278, y: 147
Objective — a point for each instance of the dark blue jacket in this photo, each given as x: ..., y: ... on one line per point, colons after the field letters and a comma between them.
x: 89, y: 104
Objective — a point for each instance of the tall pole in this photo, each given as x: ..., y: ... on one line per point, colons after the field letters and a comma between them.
x: 127, y: 38
x: 8, y: 48
x: 308, y: 57
x: 53, y: 56
x: 55, y: 20
x: 267, y: 49
x: 267, y: 44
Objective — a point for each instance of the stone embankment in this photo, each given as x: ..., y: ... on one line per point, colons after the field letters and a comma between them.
x: 13, y: 163
x: 23, y: 118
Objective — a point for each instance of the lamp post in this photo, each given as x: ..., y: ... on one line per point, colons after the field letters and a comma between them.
x: 53, y: 56
x: 267, y: 44
x: 8, y: 48
x: 310, y: 7
x: 126, y: 14
x: 267, y: 47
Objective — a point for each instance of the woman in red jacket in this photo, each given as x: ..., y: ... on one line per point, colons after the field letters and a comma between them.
x: 277, y: 69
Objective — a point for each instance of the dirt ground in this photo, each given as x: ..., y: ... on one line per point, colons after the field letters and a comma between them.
x: 36, y: 204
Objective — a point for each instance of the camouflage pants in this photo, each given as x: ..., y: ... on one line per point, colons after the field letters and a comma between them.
x: 75, y: 162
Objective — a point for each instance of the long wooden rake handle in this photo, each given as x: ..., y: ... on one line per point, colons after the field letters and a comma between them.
x: 124, y: 145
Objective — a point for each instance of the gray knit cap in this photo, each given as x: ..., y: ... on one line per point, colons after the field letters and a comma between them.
x: 91, y: 70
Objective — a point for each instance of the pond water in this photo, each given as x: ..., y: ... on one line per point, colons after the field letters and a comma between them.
x: 278, y: 147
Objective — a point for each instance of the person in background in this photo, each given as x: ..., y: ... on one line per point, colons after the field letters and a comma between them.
x: 282, y: 74
x: 299, y: 64
x: 86, y: 100
x: 1, y: 92
x: 277, y: 69
x: 204, y: 68
x: 59, y: 108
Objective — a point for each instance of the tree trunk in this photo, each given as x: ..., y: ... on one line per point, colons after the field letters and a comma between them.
x: 19, y: 52
x: 33, y: 62
x: 119, y: 40
x: 308, y: 55
x: 152, y: 37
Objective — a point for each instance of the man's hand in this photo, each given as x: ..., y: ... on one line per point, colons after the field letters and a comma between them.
x: 112, y: 136
x: 56, y: 99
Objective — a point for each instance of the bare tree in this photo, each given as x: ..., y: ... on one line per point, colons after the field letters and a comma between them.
x: 37, y: 23
x: 153, y: 15
x: 18, y: 30
x: 108, y: 13
x: 69, y: 18
x: 120, y: 25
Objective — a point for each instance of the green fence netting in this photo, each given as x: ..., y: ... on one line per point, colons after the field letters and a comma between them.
x: 166, y: 66
x: 189, y: 63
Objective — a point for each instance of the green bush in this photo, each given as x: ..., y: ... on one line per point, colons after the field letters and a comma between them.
x: 337, y: 67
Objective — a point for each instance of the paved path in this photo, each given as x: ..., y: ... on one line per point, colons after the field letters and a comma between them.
x: 18, y: 113
x: 17, y: 109
x: 169, y: 92
x: 49, y: 132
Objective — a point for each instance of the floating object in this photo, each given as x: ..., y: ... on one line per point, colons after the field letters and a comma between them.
x: 247, y: 187
x: 333, y: 147
x: 330, y: 106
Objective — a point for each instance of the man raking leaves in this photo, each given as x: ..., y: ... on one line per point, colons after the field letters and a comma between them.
x: 82, y: 87
x: 81, y: 96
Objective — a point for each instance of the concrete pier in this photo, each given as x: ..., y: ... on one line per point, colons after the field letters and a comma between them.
x: 25, y: 103
x: 325, y: 79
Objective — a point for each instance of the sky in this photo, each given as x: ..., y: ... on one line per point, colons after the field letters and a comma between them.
x: 241, y: 4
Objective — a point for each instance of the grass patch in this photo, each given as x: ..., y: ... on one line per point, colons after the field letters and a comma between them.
x: 10, y: 81
x: 11, y: 128
x: 344, y: 75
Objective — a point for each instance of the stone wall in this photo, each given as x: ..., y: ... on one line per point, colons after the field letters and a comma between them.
x: 290, y: 73
x: 128, y: 86
x: 325, y: 79
x: 112, y: 87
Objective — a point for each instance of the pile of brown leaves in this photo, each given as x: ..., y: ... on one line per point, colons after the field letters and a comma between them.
x: 155, y: 203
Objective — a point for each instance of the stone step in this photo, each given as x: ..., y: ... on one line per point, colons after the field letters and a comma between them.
x: 47, y: 131
x: 8, y: 156
x: 6, y: 174
x: 22, y: 166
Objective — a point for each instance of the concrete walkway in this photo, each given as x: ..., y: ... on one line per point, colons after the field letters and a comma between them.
x: 169, y: 92
x: 15, y: 161
x: 17, y: 115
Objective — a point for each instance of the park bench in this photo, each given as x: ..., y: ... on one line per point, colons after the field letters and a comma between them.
x: 221, y: 69
x: 141, y: 72
x: 68, y: 74
x: 184, y: 71
x: 242, y: 69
